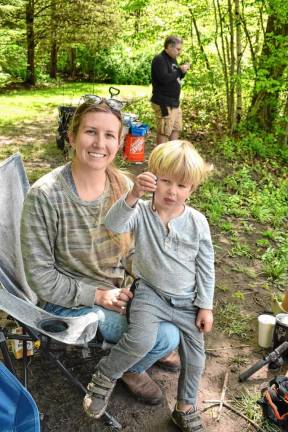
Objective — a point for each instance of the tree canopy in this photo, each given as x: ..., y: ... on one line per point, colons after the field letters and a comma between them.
x: 237, y: 48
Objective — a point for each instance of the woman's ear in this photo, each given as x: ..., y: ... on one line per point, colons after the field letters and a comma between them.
x: 71, y: 139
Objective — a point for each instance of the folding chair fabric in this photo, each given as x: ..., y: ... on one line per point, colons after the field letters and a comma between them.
x: 80, y: 330
x: 18, y: 410
x: 14, y: 187
x: 16, y: 297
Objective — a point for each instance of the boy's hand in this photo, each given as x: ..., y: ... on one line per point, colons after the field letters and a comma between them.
x: 144, y: 182
x: 204, y: 320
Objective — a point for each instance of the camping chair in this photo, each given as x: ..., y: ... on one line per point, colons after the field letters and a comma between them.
x: 19, y: 301
x: 18, y: 410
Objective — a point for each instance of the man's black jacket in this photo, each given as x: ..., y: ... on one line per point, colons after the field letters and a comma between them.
x: 166, y: 76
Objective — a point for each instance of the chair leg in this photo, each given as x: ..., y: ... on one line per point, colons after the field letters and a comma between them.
x: 107, y: 419
x: 25, y: 364
x: 6, y: 356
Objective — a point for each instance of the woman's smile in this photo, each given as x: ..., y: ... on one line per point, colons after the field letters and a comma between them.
x: 96, y: 155
x: 97, y: 140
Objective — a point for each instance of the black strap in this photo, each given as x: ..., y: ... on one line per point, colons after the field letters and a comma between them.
x: 132, y: 289
x: 164, y: 110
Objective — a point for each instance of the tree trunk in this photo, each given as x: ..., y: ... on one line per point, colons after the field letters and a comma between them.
x: 72, y: 57
x: 239, y: 59
x: 137, y: 15
x: 285, y: 140
x: 269, y: 77
x: 30, y: 71
x: 53, y: 59
x: 283, y: 125
x: 53, y: 44
x: 231, y: 102
x: 223, y: 58
x: 199, y: 39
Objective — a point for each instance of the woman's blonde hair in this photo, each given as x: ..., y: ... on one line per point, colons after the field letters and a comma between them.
x: 117, y: 177
x: 88, y: 107
x: 179, y: 160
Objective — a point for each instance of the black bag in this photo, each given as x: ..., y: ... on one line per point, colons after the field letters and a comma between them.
x: 274, y: 401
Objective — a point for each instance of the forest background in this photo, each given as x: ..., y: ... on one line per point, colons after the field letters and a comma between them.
x: 237, y: 50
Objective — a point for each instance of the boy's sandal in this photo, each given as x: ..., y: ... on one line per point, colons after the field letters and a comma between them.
x: 98, y: 394
x: 188, y: 422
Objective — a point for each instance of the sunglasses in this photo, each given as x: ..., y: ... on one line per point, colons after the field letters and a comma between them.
x: 112, y: 103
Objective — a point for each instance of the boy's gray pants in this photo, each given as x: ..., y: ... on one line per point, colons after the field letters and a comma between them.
x: 148, y: 309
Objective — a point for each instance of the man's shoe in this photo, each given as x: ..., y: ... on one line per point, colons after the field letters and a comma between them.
x: 188, y: 422
x: 170, y: 363
x: 98, y: 394
x: 143, y: 387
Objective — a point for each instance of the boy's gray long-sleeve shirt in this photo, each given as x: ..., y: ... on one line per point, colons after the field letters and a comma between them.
x: 178, y: 261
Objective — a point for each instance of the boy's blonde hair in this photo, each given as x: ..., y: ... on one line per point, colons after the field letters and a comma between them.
x: 179, y: 160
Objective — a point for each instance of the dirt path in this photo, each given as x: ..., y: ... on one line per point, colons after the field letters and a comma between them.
x: 63, y: 405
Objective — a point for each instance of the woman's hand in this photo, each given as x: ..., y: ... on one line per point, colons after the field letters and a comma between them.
x: 115, y: 299
x: 145, y: 182
x: 204, y: 320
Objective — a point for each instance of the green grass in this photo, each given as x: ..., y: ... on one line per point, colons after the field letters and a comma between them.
x: 230, y: 320
x: 247, y: 404
x: 250, y: 272
x: 252, y: 192
x: 35, y: 104
x: 241, y: 249
x: 275, y: 262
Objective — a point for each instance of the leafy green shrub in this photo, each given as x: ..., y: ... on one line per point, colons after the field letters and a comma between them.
x: 254, y: 145
x: 123, y: 66
x: 143, y: 109
x: 13, y: 61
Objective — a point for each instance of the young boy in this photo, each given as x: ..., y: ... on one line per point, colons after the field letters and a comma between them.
x: 174, y: 267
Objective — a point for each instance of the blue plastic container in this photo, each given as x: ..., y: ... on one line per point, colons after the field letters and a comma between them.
x: 139, y: 129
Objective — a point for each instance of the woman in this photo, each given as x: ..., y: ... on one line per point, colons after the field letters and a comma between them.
x: 71, y: 261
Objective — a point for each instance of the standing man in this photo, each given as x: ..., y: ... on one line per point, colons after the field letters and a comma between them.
x: 166, y: 84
